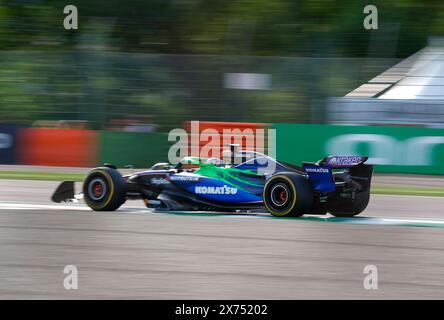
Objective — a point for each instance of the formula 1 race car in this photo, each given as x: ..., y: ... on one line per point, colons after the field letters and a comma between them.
x: 339, y: 185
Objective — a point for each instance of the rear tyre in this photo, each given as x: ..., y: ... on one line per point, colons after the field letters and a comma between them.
x: 104, y: 189
x: 351, y: 210
x: 288, y: 194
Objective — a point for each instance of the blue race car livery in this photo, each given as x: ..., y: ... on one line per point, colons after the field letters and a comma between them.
x: 339, y: 185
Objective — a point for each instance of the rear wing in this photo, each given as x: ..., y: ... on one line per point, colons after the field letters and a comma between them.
x: 337, y: 162
x: 321, y: 176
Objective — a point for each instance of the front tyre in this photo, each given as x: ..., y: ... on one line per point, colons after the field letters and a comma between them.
x: 288, y: 194
x: 104, y: 189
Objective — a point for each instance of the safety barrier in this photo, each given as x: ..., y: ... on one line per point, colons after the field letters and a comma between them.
x: 392, y: 149
x: 132, y: 148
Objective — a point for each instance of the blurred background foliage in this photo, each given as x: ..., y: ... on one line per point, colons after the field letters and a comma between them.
x: 165, y: 60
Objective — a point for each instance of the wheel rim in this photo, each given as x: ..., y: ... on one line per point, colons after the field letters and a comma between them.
x: 280, y: 195
x: 97, y: 189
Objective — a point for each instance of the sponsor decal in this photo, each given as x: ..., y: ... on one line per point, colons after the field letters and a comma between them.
x: 5, y: 141
x: 184, y: 178
x: 215, y: 190
x: 344, y: 160
x: 159, y: 181
x: 316, y: 170
x: 8, y: 144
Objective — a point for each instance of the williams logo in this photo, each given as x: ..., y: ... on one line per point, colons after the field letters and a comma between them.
x: 215, y: 190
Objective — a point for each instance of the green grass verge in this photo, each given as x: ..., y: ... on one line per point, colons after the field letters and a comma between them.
x: 51, y: 176
x: 408, y: 191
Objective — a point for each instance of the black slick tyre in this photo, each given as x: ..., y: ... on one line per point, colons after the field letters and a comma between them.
x: 350, y: 210
x: 288, y: 194
x: 104, y: 189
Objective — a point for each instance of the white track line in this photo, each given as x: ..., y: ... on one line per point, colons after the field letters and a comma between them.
x: 395, y: 221
x: 63, y: 207
x: 357, y: 220
x: 26, y: 206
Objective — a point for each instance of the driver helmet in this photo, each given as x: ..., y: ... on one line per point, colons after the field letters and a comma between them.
x: 215, y: 161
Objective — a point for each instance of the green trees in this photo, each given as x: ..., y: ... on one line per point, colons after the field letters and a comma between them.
x: 247, y: 27
x: 167, y: 57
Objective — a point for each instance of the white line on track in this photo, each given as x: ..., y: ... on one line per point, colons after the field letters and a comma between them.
x: 62, y: 207
x: 425, y: 222
x: 396, y: 221
x: 26, y: 206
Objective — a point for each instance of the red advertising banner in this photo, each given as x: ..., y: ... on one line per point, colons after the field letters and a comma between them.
x: 58, y: 147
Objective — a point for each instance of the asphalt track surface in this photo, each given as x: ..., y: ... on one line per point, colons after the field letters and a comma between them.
x: 140, y: 254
